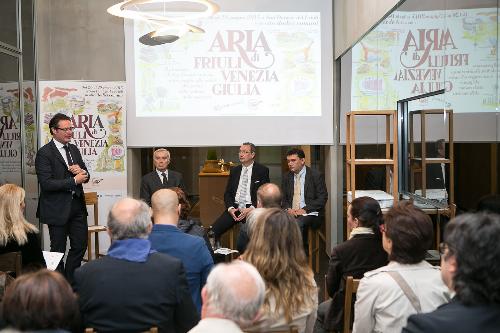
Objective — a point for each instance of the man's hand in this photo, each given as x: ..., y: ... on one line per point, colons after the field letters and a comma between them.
x: 299, y: 212
x: 244, y: 213
x: 81, y: 177
x: 75, y: 169
x: 291, y: 211
x: 232, y: 212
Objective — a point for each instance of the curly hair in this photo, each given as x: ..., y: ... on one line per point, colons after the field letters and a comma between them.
x: 410, y: 231
x: 473, y: 240
x: 276, y: 250
x: 13, y: 225
x: 183, y: 200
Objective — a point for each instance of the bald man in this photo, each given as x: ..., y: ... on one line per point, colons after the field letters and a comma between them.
x: 232, y: 298
x: 167, y: 238
x: 268, y: 196
x: 134, y: 288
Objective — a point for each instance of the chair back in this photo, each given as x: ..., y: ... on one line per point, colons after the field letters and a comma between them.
x: 91, y: 199
x: 11, y: 262
x: 351, y: 287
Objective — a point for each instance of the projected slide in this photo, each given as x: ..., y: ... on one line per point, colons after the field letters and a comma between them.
x: 245, y: 64
x: 412, y: 53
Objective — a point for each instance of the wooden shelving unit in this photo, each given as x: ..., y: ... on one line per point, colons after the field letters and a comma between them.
x: 390, y: 160
x: 419, y: 164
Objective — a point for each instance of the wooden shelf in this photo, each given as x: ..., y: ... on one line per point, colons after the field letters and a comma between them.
x: 372, y: 161
x: 432, y: 160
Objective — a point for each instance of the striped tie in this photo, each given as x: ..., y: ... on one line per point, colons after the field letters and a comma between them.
x: 243, y: 189
x: 296, y: 193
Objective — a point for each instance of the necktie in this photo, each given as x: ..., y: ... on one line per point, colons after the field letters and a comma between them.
x: 68, y: 155
x: 164, y: 178
x: 296, y: 193
x: 243, y: 189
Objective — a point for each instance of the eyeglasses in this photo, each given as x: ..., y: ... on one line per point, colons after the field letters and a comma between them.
x: 382, y: 228
x: 68, y: 129
x: 245, y: 152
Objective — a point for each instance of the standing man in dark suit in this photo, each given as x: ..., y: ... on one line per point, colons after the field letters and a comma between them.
x: 161, y: 177
x: 240, y: 196
x: 61, y: 172
x: 304, y: 192
x: 469, y: 267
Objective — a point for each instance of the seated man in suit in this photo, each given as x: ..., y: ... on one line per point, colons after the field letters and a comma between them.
x: 133, y: 287
x: 161, y: 177
x: 240, y: 196
x: 268, y: 196
x: 469, y: 267
x: 167, y: 238
x: 304, y: 192
x: 232, y: 298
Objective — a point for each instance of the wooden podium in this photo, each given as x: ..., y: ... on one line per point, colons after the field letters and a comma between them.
x: 212, y: 187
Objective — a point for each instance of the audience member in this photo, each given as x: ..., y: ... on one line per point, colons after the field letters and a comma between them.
x: 276, y: 250
x: 361, y: 253
x: 240, y: 196
x: 268, y: 196
x: 232, y: 298
x: 161, y: 177
x: 387, y: 296
x: 304, y: 192
x: 167, y: 238
x: 41, y: 300
x: 16, y: 234
x: 133, y: 287
x: 489, y: 203
x: 469, y: 267
x: 186, y: 224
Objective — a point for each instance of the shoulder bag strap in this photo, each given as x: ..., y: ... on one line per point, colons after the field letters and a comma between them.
x: 406, y: 290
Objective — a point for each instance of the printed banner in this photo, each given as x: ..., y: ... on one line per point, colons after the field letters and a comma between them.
x: 412, y: 53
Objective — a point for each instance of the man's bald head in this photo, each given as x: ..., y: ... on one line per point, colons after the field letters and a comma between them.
x: 269, y: 196
x: 129, y: 218
x: 165, y: 204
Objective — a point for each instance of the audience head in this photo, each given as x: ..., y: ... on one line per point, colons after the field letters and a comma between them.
x: 276, y: 250
x: 13, y: 225
x: 252, y: 217
x: 247, y: 153
x: 407, y: 233
x: 166, y: 207
x: 269, y: 196
x: 129, y: 218
x: 365, y: 212
x: 184, y: 202
x: 234, y: 291
x: 161, y: 159
x: 296, y: 159
x: 41, y: 300
x: 489, y: 203
x: 469, y: 264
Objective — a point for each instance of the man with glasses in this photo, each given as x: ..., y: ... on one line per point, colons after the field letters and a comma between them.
x: 240, y: 196
x: 470, y: 268
x: 61, y: 172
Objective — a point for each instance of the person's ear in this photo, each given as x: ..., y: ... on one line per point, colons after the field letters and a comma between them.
x: 179, y: 208
x: 356, y: 220
x: 204, y: 296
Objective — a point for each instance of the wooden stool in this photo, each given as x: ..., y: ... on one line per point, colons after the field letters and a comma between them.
x: 92, y: 200
x: 314, y: 251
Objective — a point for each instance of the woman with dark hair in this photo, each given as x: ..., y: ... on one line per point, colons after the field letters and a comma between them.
x: 276, y: 250
x: 362, y: 252
x: 186, y: 224
x: 16, y: 234
x: 387, y: 296
x: 41, y: 300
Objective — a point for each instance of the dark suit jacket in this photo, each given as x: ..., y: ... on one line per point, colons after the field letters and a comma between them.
x: 455, y: 317
x: 31, y: 252
x: 260, y: 175
x: 354, y: 257
x: 151, y: 183
x: 57, y: 184
x: 315, y: 192
x: 124, y: 296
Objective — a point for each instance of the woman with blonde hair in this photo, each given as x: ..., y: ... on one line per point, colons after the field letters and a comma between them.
x: 16, y: 234
x: 276, y: 250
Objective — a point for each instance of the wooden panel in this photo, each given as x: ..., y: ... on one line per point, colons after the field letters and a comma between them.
x: 212, y: 187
